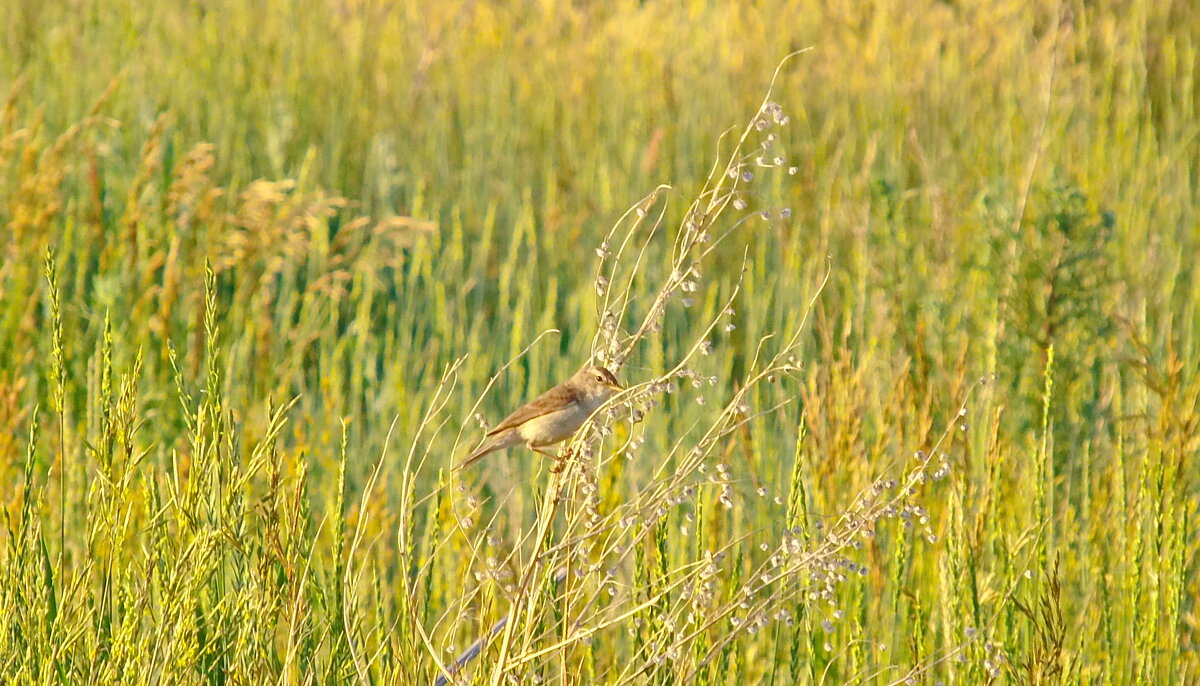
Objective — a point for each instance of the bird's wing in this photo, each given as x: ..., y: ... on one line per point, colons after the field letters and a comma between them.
x: 554, y: 399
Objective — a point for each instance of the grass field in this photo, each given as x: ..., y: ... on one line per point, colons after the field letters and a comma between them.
x: 912, y: 338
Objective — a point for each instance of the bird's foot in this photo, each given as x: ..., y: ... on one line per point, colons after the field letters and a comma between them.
x: 560, y: 461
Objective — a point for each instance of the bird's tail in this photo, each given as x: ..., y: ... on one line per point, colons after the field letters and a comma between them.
x: 491, y: 445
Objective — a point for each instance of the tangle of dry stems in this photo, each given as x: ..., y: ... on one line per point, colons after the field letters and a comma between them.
x: 573, y: 562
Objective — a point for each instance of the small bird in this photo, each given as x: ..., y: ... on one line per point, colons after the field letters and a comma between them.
x: 552, y: 416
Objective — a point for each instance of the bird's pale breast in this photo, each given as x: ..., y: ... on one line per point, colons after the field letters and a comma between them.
x: 555, y: 426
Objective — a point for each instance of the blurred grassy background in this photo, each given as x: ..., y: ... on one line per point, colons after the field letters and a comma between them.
x: 384, y: 187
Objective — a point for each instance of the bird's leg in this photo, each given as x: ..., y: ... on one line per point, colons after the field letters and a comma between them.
x: 538, y: 450
x: 559, y: 462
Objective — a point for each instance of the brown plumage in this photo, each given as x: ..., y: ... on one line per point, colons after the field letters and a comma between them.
x: 553, y: 399
x: 551, y: 417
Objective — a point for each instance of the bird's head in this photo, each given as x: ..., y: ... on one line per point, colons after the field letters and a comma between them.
x: 596, y: 382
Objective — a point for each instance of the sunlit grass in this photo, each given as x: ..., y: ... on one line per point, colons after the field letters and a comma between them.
x: 268, y: 271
